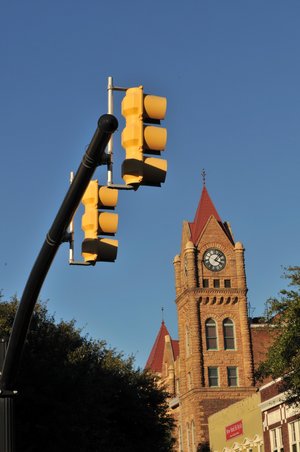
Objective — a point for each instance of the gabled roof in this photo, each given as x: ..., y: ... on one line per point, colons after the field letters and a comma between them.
x: 155, y: 360
x: 204, y: 211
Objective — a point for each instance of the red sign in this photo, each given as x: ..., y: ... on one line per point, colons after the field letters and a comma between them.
x: 234, y: 430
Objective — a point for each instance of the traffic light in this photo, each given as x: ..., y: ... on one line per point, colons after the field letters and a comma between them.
x: 96, y: 223
x: 139, y: 138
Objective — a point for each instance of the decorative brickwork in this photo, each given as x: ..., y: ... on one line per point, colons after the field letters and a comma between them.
x: 211, y: 375
x: 214, y: 368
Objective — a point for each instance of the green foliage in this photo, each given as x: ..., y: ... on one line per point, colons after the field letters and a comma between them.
x: 77, y: 394
x: 283, y: 359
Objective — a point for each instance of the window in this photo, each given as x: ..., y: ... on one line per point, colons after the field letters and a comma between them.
x: 213, y: 376
x: 187, y: 341
x: 185, y: 266
x: 232, y: 376
x: 216, y: 283
x: 193, y: 437
x: 180, y: 445
x: 177, y: 386
x: 188, y: 437
x: 294, y: 436
x: 227, y: 283
x: 276, y: 440
x: 211, y: 334
x: 228, y: 331
x: 189, y: 380
x: 205, y: 283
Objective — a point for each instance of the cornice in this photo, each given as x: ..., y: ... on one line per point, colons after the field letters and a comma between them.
x: 211, y: 294
x: 212, y: 392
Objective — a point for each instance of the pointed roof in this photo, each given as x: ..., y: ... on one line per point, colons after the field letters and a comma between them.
x: 204, y: 211
x: 155, y: 360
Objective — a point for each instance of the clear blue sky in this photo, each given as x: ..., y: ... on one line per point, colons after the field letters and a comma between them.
x: 230, y: 70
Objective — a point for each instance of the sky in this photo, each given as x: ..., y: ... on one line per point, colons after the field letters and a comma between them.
x: 230, y: 70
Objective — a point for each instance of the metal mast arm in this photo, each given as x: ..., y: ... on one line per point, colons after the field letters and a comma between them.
x: 107, y: 125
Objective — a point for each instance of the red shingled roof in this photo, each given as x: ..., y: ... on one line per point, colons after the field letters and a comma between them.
x: 175, y: 348
x: 155, y: 360
x: 205, y: 209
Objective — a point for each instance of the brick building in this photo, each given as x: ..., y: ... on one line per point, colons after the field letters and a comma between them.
x: 281, y: 422
x: 211, y: 366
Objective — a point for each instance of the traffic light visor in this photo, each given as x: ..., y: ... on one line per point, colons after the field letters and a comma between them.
x: 108, y: 197
x: 155, y: 106
x: 155, y: 138
x: 96, y: 250
x: 108, y: 223
x: 155, y: 171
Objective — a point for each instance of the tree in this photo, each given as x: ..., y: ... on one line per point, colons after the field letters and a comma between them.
x: 77, y: 394
x: 283, y: 358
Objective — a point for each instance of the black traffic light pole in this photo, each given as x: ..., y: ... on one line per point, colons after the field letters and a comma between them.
x: 94, y: 156
x: 7, y: 442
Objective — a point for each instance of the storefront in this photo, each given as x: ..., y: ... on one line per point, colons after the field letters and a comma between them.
x: 238, y: 427
x: 281, y: 422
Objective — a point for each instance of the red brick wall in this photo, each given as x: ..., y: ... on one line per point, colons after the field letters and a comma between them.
x: 262, y: 339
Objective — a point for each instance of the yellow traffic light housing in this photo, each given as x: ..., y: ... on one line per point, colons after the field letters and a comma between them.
x: 95, y: 223
x: 139, y: 138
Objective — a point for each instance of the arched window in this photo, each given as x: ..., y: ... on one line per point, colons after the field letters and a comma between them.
x: 228, y: 331
x: 211, y: 334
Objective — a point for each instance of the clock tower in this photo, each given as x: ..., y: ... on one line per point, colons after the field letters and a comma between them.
x: 215, y: 360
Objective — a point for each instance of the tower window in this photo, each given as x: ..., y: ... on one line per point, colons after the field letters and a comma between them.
x: 188, y: 436
x: 216, y: 283
x: 177, y: 387
x: 232, y: 376
x: 187, y: 341
x: 205, y: 283
x: 227, y: 283
x: 228, y: 331
x: 189, y: 380
x: 213, y: 376
x: 193, y: 436
x: 211, y: 334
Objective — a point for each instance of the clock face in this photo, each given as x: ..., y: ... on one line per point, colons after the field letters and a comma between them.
x: 214, y: 259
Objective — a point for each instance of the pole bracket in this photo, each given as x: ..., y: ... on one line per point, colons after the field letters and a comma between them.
x: 6, y: 393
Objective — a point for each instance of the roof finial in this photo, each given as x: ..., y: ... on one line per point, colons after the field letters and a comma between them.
x: 162, y: 315
x: 203, y: 174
